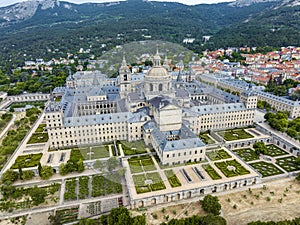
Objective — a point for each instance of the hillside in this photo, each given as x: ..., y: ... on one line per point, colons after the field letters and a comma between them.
x: 64, y: 27
x: 278, y: 26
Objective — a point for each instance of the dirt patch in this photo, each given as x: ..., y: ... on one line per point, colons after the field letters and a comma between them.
x: 38, y: 219
x: 275, y: 201
x: 157, y: 215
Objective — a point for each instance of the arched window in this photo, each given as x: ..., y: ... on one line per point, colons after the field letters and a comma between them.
x: 160, y: 87
x: 151, y: 87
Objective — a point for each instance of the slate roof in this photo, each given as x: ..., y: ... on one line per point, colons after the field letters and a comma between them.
x: 218, y: 108
x: 187, y: 139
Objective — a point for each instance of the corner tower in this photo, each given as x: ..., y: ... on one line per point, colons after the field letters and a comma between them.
x: 125, y: 79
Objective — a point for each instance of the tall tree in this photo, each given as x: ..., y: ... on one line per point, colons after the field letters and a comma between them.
x: 211, y: 204
x: 20, y: 171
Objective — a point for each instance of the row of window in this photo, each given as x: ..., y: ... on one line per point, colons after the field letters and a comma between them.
x: 184, y: 161
x: 184, y: 153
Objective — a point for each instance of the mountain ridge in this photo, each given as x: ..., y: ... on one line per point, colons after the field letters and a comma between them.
x: 68, y: 27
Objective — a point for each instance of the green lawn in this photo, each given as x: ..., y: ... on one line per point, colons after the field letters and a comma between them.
x: 218, y: 154
x: 27, y: 161
x: 288, y: 163
x: 38, y: 138
x: 211, y: 172
x: 172, y: 178
x: 266, y: 169
x: 140, y: 164
x: 235, y: 134
x: 133, y: 148
x: 206, y: 139
x: 247, y: 154
x: 96, y: 152
x: 275, y: 151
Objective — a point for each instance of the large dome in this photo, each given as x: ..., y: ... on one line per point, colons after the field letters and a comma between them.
x: 158, y: 72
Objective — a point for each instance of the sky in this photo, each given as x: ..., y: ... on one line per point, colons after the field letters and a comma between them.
x: 187, y: 2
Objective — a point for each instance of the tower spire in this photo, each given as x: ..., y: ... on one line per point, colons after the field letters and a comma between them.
x: 157, y: 58
x: 124, y: 63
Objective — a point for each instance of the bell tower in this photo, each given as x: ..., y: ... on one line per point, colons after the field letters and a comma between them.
x: 125, y: 79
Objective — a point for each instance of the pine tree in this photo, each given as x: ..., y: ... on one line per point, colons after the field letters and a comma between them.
x: 39, y: 168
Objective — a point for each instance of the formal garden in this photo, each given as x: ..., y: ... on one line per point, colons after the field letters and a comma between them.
x: 211, y: 172
x: 172, y: 178
x: 235, y: 134
x: 289, y: 164
x: 133, y: 148
x: 148, y: 182
x: 206, y: 139
x: 247, y: 154
x: 274, y: 151
x: 231, y: 168
x: 218, y: 154
x: 140, y: 164
x: 27, y: 161
x: 266, y: 169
